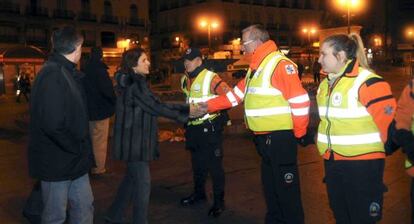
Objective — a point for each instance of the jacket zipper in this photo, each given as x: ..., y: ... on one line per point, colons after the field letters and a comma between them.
x: 328, y: 129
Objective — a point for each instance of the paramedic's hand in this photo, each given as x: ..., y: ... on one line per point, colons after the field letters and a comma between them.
x: 306, y: 140
x: 196, y: 110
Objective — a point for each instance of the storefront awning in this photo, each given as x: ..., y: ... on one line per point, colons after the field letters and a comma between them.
x: 22, y: 54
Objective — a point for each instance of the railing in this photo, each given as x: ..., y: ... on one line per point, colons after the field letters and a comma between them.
x: 136, y: 21
x: 109, y: 19
x: 63, y: 14
x: 37, y: 11
x: 86, y: 16
x: 8, y: 7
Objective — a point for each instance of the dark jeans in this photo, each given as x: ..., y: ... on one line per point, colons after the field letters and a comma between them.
x: 355, y: 190
x: 280, y: 177
x: 135, y: 187
x: 205, y: 144
x: 74, y: 195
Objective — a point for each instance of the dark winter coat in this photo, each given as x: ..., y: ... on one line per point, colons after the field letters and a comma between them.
x: 59, y: 145
x: 99, y: 90
x: 136, y: 128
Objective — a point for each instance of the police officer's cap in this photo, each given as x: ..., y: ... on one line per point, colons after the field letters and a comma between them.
x: 191, y: 53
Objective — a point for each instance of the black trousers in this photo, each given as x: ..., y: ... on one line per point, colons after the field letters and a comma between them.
x: 205, y: 144
x: 280, y: 177
x: 355, y: 190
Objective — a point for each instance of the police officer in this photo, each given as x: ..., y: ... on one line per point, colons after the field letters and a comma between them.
x: 276, y: 109
x: 204, y: 134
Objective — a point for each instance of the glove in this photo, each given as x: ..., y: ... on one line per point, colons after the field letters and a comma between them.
x: 307, y: 139
x: 406, y: 139
x: 391, y: 145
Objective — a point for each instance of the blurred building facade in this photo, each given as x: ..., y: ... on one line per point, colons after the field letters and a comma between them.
x: 176, y: 23
x: 28, y: 24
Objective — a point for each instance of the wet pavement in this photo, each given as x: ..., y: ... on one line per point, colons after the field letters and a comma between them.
x: 171, y: 176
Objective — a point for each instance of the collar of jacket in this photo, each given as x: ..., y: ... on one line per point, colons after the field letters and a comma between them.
x: 138, y: 77
x: 60, y: 59
x: 352, y: 68
x: 196, y: 71
x: 261, y: 52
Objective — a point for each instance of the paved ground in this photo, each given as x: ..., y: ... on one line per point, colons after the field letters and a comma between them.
x: 171, y: 177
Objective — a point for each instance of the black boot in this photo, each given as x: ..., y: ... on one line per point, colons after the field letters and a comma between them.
x: 218, y: 206
x: 194, y: 198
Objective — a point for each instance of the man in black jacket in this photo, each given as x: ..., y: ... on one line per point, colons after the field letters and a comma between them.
x: 101, y: 106
x: 60, y: 151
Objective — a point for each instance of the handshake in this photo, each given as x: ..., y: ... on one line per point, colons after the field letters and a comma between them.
x: 198, y: 109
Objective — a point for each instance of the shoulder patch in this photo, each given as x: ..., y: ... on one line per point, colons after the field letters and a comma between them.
x: 290, y: 69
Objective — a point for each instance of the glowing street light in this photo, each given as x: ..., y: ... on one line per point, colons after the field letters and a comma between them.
x: 209, y: 24
x: 309, y: 31
x: 410, y: 33
x: 377, y: 41
x: 349, y: 4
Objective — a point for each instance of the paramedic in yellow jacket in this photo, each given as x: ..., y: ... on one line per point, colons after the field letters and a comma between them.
x: 356, y: 107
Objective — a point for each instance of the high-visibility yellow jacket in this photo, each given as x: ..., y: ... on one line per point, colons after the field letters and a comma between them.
x: 346, y: 127
x: 199, y: 92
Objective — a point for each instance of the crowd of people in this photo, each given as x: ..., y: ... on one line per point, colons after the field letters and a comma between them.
x: 360, y: 124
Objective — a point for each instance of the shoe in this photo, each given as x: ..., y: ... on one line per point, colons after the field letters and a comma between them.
x: 218, y: 205
x: 33, y: 219
x: 193, y: 199
x: 216, y: 211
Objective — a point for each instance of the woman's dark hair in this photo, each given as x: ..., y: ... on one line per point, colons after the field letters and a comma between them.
x: 352, y: 46
x: 66, y: 39
x: 130, y: 60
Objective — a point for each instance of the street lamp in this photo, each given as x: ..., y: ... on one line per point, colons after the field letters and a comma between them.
x: 209, y: 24
x: 349, y: 4
x: 309, y: 31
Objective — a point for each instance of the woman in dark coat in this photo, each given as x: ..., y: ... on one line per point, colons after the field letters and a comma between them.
x: 136, y: 134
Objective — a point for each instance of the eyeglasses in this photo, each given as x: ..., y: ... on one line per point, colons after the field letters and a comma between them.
x: 247, y: 42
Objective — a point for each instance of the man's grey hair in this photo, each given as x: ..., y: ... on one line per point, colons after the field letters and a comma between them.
x: 257, y: 32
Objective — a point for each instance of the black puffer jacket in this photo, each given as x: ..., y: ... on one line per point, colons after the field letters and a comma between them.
x: 99, y: 90
x: 59, y: 144
x: 136, y: 112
